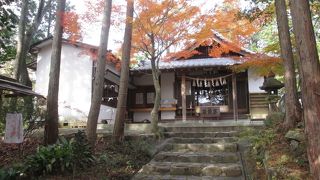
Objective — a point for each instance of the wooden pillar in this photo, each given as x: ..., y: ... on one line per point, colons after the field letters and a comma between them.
x: 235, y: 96
x: 184, y: 98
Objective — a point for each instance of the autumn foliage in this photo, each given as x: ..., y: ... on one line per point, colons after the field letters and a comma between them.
x: 159, y: 26
x: 95, y: 9
x: 110, y: 57
x: 173, y: 29
x: 71, y: 26
x: 262, y: 64
x: 173, y: 25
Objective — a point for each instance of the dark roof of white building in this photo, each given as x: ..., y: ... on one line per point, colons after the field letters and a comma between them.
x: 14, y: 88
x: 188, y: 63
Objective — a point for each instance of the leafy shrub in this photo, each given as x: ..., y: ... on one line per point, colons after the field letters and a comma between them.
x: 81, y: 151
x: 50, y: 159
x: 65, y: 156
x: 2, y: 126
x: 11, y: 173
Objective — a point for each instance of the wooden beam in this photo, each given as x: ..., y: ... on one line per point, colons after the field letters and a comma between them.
x: 184, y: 98
x: 234, y: 96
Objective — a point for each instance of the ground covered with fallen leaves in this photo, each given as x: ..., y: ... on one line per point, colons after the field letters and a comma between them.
x: 286, y: 163
x: 273, y: 154
x: 15, y: 153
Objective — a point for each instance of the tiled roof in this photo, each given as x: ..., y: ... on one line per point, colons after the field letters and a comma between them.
x: 189, y: 63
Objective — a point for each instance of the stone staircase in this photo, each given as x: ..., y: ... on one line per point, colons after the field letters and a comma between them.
x: 200, y: 152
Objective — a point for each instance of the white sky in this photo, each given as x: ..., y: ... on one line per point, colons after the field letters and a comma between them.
x: 92, y: 33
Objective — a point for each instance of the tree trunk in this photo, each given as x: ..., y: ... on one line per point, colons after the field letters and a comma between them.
x: 49, y: 19
x: 156, y: 106
x: 118, y: 132
x: 293, y: 111
x: 52, y: 120
x: 24, y: 40
x: 310, y: 67
x: 99, y: 75
x: 21, y: 37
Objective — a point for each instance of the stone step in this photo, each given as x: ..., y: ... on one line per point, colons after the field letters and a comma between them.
x: 258, y: 94
x: 258, y: 98
x: 258, y: 101
x: 198, y: 129
x: 201, y: 134
x: 260, y: 106
x: 173, y: 177
x: 201, y: 147
x: 203, y: 140
x: 197, y: 157
x: 193, y: 169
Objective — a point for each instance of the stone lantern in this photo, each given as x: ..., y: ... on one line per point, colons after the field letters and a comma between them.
x: 272, y: 85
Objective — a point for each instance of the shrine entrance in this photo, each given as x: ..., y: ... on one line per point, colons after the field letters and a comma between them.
x: 211, y: 90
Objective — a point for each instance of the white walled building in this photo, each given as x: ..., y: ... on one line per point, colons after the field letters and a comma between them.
x: 76, y: 77
x: 207, y: 82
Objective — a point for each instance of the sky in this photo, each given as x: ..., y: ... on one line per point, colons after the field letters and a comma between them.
x: 92, y: 32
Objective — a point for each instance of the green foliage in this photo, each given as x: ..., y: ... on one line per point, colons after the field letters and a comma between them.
x: 8, y: 23
x: 50, y: 159
x: 266, y: 40
x: 272, y: 150
x: 81, y: 151
x: 65, y: 156
x: 115, y: 161
x: 274, y: 119
x: 259, y: 139
x: 46, y: 28
x: 2, y: 126
x: 11, y: 173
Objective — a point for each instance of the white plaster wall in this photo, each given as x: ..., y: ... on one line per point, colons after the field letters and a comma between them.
x: 144, y: 80
x: 75, y: 83
x: 255, y: 81
x: 167, y: 92
x: 43, y: 69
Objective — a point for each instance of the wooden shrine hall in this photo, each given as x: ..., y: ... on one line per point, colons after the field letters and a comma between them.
x: 199, y: 87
